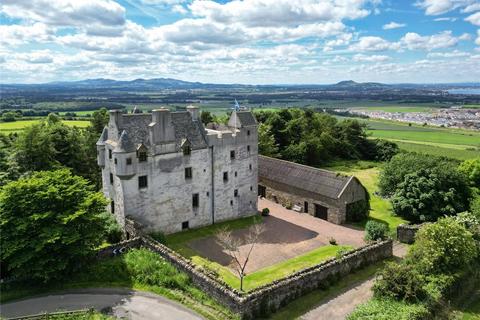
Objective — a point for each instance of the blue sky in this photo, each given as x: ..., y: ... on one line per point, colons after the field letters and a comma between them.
x: 249, y: 41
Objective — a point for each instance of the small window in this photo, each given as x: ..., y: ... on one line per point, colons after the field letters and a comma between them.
x: 251, y: 188
x: 208, y: 194
x: 195, y: 200
x: 231, y: 202
x: 112, y: 207
x: 111, y: 178
x: 142, y: 156
x: 187, y: 150
x: 225, y: 176
x: 248, y: 132
x: 115, y: 160
x: 142, y: 182
x: 305, y: 206
x: 129, y: 161
x: 235, y: 193
x: 185, y: 225
x: 248, y: 148
x: 235, y: 173
x: 188, y: 173
x: 250, y: 167
x: 232, y: 154
x: 109, y: 154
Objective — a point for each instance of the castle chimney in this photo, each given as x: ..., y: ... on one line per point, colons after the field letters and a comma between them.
x: 194, y: 111
x: 162, y: 129
x: 116, y: 117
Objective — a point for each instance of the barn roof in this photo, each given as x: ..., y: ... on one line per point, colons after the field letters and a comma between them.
x: 323, y: 182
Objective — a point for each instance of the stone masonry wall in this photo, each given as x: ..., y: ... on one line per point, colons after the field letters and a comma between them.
x: 406, y: 232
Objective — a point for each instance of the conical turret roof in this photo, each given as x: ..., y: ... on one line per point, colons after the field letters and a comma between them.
x: 125, y: 144
x: 103, y: 137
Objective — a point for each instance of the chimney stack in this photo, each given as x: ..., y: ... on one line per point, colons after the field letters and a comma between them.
x: 194, y: 111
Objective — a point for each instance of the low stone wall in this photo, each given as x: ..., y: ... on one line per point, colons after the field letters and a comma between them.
x: 271, y: 297
x: 119, y: 248
x: 406, y: 232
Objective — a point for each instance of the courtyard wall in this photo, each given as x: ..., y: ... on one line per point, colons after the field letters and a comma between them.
x: 271, y: 297
x: 406, y: 232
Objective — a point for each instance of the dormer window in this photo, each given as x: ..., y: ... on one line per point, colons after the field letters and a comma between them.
x: 142, y: 156
x: 187, y: 150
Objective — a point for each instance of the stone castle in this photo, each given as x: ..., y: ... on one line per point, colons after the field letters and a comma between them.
x: 168, y: 172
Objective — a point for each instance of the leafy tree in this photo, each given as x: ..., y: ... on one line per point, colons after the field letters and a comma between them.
x: 99, y: 120
x: 385, y: 149
x: 50, y: 224
x: 400, y: 165
x: 428, y: 194
x: 206, y: 117
x: 9, y: 116
x: 471, y: 168
x: 443, y: 247
x: 266, y: 141
x: 475, y: 206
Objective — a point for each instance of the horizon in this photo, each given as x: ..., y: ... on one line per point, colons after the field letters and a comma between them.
x: 250, y: 42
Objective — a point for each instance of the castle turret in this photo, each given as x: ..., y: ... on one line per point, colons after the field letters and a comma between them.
x: 101, y: 148
x: 124, y: 156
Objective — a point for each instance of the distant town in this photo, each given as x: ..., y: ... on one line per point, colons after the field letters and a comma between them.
x: 455, y: 117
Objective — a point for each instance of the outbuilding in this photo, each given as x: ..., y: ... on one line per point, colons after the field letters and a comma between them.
x: 324, y: 194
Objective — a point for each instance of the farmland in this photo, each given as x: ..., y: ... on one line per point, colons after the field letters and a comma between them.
x: 9, y: 127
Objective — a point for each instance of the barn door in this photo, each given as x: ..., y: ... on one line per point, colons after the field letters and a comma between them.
x: 321, y: 212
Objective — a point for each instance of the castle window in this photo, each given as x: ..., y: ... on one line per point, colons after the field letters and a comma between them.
x: 232, y: 154
x: 142, y: 182
x: 248, y: 132
x: 248, y: 148
x: 225, y: 176
x: 231, y: 202
x: 208, y: 194
x: 235, y: 193
x: 111, y: 178
x: 195, y: 200
x: 109, y: 154
x: 188, y: 173
x: 129, y: 161
x: 251, y: 188
x: 112, y: 207
x: 142, y: 156
x: 185, y: 225
x: 115, y: 160
x: 235, y: 173
x: 250, y: 167
x: 187, y: 150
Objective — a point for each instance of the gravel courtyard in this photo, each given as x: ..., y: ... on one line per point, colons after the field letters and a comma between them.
x: 287, y: 234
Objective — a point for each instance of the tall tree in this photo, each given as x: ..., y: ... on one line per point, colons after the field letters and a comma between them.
x: 51, y: 223
x: 266, y: 141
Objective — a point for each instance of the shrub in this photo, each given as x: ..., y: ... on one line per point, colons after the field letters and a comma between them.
x: 265, y: 212
x: 385, y: 309
x: 375, y: 230
x: 385, y: 150
x: 332, y: 241
x: 443, y: 247
x: 159, y: 236
x: 358, y: 211
x: 471, y: 169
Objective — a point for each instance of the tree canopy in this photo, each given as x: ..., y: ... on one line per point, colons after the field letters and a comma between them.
x: 50, y: 222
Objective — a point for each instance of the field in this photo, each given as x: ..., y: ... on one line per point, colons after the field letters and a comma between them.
x: 8, y: 127
x: 396, y: 108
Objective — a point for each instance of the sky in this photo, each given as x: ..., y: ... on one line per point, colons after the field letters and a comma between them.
x: 241, y: 41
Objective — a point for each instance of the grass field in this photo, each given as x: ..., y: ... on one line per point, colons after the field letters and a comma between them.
x: 368, y: 174
x: 8, y: 127
x: 179, y: 241
x: 396, y: 108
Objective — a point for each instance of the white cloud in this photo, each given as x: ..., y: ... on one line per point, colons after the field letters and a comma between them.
x: 474, y: 19
x: 452, y: 54
x: 393, y: 25
x: 477, y: 41
x: 178, y: 8
x: 471, y: 8
x: 451, y: 19
x: 372, y: 58
x: 372, y: 44
x: 66, y: 12
x: 414, y: 41
x: 13, y: 35
x: 437, y: 7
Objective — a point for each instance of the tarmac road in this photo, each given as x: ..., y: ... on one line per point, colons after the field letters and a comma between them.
x: 124, y: 303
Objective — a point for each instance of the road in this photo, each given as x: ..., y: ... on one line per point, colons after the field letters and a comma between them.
x: 340, y: 306
x: 124, y: 303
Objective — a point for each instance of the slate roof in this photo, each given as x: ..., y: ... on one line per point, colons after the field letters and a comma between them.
x: 136, y: 126
x: 323, y: 182
x: 246, y: 118
x: 125, y: 144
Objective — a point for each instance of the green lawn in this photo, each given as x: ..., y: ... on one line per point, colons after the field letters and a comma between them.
x: 452, y: 151
x: 179, y: 242
x: 368, y: 174
x: 471, y: 309
x: 7, y: 127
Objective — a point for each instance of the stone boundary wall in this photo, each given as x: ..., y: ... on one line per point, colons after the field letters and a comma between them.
x: 271, y: 297
x: 118, y: 248
x: 406, y: 232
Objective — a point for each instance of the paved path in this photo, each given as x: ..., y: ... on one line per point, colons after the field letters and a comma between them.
x: 124, y: 303
x: 340, y: 306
